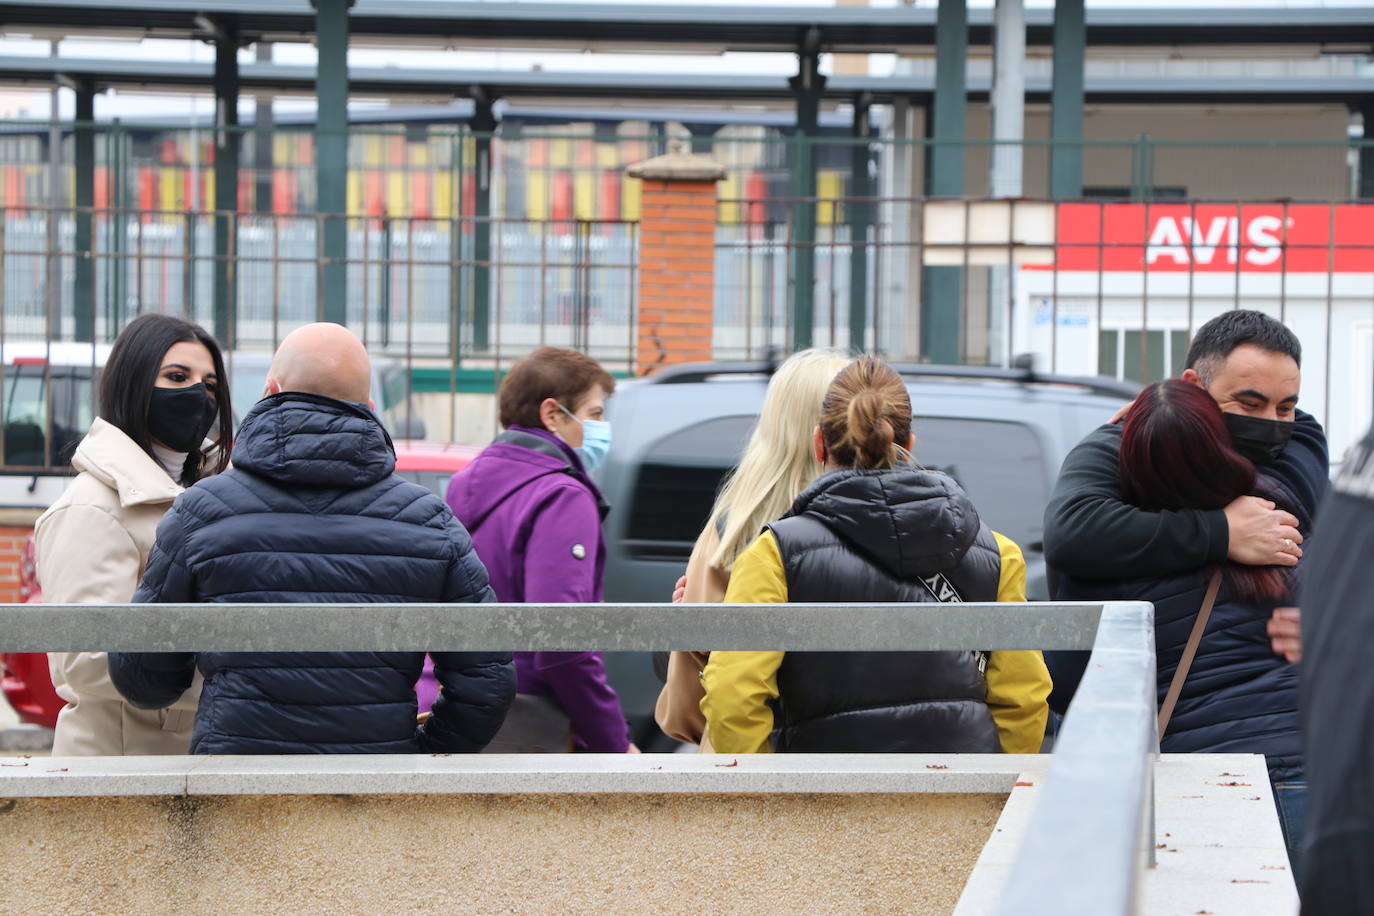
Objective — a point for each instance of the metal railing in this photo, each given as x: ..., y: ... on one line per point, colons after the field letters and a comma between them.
x: 1091, y: 832
x: 415, y: 285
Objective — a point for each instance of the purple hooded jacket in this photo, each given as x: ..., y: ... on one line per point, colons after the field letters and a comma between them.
x: 535, y: 519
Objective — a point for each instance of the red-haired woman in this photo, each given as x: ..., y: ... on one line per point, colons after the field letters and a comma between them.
x: 1239, y: 697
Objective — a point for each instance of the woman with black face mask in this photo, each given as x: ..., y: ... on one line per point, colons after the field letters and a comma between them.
x: 164, y: 422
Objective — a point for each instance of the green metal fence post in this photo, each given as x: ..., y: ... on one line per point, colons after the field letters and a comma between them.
x: 1141, y: 180
x: 117, y: 270
x: 860, y: 216
x: 262, y: 141
x: 942, y: 287
x: 83, y: 290
x: 226, y: 175
x: 1066, y: 100
x: 483, y: 124
x: 808, y: 85
x: 331, y: 152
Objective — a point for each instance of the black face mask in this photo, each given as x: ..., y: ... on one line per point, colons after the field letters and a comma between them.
x: 1258, y: 439
x: 180, y: 418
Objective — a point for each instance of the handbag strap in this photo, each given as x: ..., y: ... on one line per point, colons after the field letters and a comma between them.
x: 1190, y: 650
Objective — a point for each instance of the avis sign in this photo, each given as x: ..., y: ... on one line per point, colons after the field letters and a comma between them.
x: 1225, y: 238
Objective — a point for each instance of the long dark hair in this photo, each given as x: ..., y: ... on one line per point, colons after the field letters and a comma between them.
x: 1176, y: 453
x: 130, y: 374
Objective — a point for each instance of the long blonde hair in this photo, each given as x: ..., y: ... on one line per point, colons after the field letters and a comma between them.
x: 779, y: 461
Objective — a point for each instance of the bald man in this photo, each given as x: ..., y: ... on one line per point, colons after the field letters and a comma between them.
x: 325, y: 359
x: 312, y: 511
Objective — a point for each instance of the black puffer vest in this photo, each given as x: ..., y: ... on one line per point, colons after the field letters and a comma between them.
x: 885, y: 536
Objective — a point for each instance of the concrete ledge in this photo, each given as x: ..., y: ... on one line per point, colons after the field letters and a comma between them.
x: 1219, y: 845
x: 581, y: 774
x: 20, y: 738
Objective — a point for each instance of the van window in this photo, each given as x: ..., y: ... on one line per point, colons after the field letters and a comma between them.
x: 678, y: 481
x: 1001, y: 466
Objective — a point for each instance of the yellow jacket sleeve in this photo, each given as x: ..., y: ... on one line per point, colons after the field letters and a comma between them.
x: 739, y: 685
x: 1018, y: 682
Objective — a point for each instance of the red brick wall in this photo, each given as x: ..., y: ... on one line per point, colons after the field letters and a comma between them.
x: 677, y: 269
x: 12, y: 540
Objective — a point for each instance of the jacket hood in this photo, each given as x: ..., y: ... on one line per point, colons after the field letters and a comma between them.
x: 514, y: 458
x: 909, y: 521
x: 111, y: 457
x: 314, y: 441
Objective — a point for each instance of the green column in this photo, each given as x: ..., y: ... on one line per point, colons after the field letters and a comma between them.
x: 1066, y: 100
x: 483, y: 125
x: 331, y: 151
x: 860, y: 215
x: 942, y: 287
x: 83, y: 290
x: 808, y: 85
x: 262, y: 141
x: 226, y: 180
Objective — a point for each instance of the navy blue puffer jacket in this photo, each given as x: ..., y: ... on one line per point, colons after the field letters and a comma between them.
x: 1239, y: 696
x: 312, y: 512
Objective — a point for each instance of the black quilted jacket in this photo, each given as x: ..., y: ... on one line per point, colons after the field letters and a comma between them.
x: 312, y: 512
x: 885, y: 536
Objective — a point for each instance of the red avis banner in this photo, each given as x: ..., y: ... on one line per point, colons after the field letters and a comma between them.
x: 1218, y: 238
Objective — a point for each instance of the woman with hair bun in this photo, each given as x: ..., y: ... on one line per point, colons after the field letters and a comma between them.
x: 876, y: 527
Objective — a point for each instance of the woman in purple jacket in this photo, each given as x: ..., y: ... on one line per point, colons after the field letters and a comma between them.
x: 535, y: 519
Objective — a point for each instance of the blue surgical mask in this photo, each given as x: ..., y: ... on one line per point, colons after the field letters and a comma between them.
x: 596, y: 440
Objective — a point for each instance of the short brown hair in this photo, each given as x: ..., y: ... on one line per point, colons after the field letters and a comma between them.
x: 866, y: 416
x: 549, y: 372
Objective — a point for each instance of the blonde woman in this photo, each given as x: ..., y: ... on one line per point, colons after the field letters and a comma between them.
x: 777, y: 465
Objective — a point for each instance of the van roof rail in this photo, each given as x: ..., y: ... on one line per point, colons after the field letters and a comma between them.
x: 687, y: 373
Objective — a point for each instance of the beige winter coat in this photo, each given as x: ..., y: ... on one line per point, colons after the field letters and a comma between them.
x: 93, y: 544
x: 678, y: 711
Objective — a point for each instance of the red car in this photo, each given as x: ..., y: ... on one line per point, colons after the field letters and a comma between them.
x: 24, y: 675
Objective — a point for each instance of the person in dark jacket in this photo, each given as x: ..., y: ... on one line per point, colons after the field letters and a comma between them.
x: 875, y: 527
x: 311, y: 511
x: 535, y: 518
x: 1239, y: 696
x: 1251, y: 365
x: 1337, y: 697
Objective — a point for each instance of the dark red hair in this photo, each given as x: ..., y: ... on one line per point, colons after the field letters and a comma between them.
x: 1176, y: 453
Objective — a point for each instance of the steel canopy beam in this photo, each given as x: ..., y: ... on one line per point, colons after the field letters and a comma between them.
x: 773, y: 28
x: 288, y: 78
